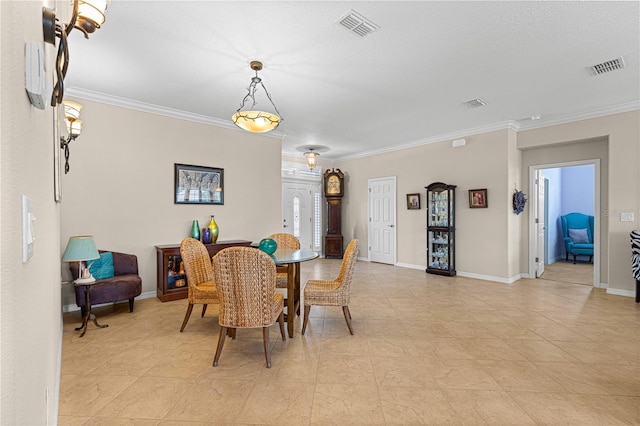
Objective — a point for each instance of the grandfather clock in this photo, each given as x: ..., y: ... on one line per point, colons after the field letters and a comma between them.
x: 333, y: 192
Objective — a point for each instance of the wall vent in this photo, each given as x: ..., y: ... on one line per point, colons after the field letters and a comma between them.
x: 612, y: 65
x: 475, y: 103
x: 357, y: 24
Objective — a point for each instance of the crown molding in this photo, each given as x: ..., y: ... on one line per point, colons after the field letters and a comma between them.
x: 227, y: 124
x: 155, y: 109
x: 585, y: 115
x: 505, y: 125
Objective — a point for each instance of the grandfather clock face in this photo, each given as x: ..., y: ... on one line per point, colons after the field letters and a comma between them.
x: 333, y: 185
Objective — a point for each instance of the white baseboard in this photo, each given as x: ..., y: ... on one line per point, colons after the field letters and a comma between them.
x: 410, y: 266
x: 490, y: 278
x: 617, y: 292
x: 73, y: 308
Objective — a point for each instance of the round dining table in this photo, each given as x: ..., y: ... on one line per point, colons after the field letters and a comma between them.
x: 289, y: 260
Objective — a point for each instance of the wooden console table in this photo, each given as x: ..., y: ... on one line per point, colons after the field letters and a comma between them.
x: 172, y: 285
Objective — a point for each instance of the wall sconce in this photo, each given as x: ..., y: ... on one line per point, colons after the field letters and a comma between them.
x: 252, y: 120
x: 312, y: 158
x: 74, y: 128
x: 87, y: 16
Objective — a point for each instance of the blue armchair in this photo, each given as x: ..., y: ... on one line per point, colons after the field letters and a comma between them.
x: 577, y: 230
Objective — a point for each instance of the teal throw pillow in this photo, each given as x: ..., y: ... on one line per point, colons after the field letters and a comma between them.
x: 102, y: 268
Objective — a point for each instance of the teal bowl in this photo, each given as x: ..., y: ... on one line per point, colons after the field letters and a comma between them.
x: 268, y: 245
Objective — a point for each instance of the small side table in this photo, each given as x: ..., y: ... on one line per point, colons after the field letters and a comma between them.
x: 87, y: 303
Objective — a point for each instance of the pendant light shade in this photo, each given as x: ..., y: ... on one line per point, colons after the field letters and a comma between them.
x: 252, y: 119
x: 312, y: 158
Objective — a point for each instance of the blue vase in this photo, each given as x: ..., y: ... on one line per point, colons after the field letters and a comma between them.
x: 206, y: 235
x: 195, y: 230
x: 268, y: 245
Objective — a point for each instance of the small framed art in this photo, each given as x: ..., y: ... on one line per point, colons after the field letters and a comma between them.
x: 478, y: 198
x: 413, y: 201
x: 198, y: 185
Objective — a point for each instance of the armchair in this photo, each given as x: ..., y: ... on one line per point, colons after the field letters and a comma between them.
x: 125, y: 284
x: 577, y: 230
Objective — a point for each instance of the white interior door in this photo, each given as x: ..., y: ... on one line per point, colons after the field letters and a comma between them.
x: 540, y: 224
x: 301, y: 212
x: 382, y: 220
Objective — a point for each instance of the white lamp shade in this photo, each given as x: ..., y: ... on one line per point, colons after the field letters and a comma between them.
x: 74, y: 127
x: 93, y: 11
x: 72, y: 109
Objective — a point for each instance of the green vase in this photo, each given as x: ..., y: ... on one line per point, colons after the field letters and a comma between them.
x: 213, y: 228
x: 195, y: 230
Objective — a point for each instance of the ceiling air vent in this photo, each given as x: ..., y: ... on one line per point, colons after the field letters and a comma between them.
x: 475, y: 103
x: 614, y: 64
x: 357, y: 24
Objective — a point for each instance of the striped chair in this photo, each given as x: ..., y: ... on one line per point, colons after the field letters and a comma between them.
x: 333, y: 292
x: 246, y: 282
x: 635, y: 260
x: 197, y: 266
x: 284, y: 241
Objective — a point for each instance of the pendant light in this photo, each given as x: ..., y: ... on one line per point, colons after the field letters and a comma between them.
x: 252, y: 119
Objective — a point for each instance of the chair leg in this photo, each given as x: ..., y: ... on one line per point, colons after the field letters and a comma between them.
x: 347, y: 317
x: 590, y: 259
x: 637, y: 291
x: 265, y: 339
x: 567, y: 257
x: 574, y: 259
x: 186, y: 316
x: 223, y: 334
x: 281, y: 321
x: 131, y: 304
x: 204, y: 309
x: 307, y: 308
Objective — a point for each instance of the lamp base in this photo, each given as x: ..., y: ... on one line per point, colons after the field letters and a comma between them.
x: 85, y: 280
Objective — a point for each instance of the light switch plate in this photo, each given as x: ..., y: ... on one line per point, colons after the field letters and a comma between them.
x: 627, y: 217
x: 28, y: 236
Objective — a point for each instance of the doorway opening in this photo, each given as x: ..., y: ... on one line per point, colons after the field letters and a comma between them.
x: 560, y: 189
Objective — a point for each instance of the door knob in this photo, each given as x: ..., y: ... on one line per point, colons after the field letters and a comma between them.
x: 390, y: 226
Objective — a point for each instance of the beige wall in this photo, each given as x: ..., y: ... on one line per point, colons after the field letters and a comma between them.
x: 622, y: 131
x: 120, y: 185
x: 483, y: 244
x: 493, y: 243
x: 30, y: 314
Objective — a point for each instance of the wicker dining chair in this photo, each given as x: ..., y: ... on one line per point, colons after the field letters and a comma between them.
x: 246, y: 282
x: 332, y: 292
x: 200, y: 280
x: 288, y: 241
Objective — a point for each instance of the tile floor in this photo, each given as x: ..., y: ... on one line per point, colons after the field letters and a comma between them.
x: 426, y: 350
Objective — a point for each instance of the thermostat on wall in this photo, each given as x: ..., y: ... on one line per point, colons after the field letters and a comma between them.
x: 35, y: 76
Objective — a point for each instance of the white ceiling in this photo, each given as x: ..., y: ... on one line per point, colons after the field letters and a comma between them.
x: 405, y: 84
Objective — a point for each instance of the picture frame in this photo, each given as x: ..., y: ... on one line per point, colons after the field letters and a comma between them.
x: 478, y: 198
x: 413, y: 201
x: 198, y: 184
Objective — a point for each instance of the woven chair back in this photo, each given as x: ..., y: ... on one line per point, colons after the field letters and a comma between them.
x: 197, y: 262
x: 286, y: 240
x: 246, y: 280
x: 348, y: 264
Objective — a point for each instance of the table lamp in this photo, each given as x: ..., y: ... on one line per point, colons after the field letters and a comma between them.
x: 79, y: 249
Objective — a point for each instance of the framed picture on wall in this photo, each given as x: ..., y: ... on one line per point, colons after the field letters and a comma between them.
x: 413, y: 201
x: 478, y: 198
x: 198, y: 185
